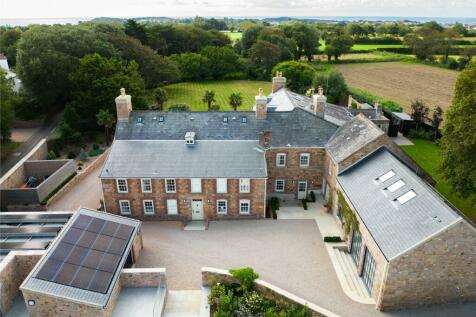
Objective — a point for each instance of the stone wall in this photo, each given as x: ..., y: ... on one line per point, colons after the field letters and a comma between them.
x: 16, y: 175
x: 440, y: 270
x: 292, y: 172
x: 14, y: 268
x: 145, y: 277
x: 183, y: 195
x: 212, y: 276
x: 99, y: 161
x: 137, y: 246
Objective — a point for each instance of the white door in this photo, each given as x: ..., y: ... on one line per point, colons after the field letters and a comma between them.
x: 171, y: 206
x: 302, y: 189
x: 197, y: 209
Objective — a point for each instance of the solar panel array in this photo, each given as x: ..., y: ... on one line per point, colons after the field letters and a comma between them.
x: 88, y: 255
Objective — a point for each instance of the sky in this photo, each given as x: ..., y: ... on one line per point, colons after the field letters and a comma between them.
x: 137, y: 8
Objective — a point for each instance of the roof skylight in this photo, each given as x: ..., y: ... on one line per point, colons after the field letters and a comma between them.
x: 225, y: 119
x: 386, y: 176
x: 398, y: 184
x: 406, y: 197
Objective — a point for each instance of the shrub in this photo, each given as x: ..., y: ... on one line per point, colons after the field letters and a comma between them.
x: 179, y: 108
x: 332, y: 239
x: 214, y: 108
x: 246, y: 276
x: 95, y: 146
x: 51, y: 155
x: 80, y: 163
x: 421, y: 133
x: 313, y: 197
x: 304, y: 203
x: 71, y: 155
x: 222, y: 301
x: 365, y: 96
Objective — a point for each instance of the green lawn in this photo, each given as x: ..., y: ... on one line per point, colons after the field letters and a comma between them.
x: 234, y: 36
x: 8, y: 148
x: 427, y: 155
x: 373, y: 47
x: 191, y: 93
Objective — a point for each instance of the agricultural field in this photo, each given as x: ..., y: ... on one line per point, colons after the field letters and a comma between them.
x: 234, y: 36
x: 191, y: 93
x: 427, y: 155
x: 402, y: 82
x: 373, y: 47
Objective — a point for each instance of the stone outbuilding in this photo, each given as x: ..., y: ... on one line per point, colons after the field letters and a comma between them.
x: 410, y: 246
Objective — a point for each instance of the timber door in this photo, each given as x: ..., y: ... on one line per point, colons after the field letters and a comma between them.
x: 197, y: 209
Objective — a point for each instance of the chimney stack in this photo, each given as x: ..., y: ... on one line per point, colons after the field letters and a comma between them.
x: 278, y: 82
x: 319, y: 102
x: 378, y: 110
x: 123, y: 106
x: 261, y: 101
x: 265, y: 139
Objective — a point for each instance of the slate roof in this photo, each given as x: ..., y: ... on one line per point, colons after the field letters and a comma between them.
x: 352, y: 136
x: 296, y: 128
x: 70, y: 293
x: 413, y: 221
x: 175, y: 159
x: 369, y: 113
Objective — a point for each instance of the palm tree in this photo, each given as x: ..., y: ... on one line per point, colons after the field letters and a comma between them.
x: 236, y: 100
x: 106, y: 119
x: 209, y: 98
x: 161, y: 96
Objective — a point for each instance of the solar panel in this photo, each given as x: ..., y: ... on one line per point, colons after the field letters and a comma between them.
x: 87, y: 239
x: 124, y: 232
x: 100, y: 282
x: 88, y: 254
x: 96, y: 225
x: 49, y: 269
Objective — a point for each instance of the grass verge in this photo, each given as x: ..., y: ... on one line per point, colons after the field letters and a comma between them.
x: 427, y: 155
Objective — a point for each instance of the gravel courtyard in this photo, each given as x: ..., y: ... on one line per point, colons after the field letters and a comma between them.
x: 287, y: 253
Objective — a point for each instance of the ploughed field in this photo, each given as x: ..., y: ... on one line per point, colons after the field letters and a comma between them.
x: 402, y: 82
x: 191, y: 93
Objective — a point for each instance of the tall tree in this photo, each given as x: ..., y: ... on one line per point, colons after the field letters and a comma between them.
x: 47, y: 55
x: 264, y: 56
x: 334, y: 86
x: 105, y: 119
x: 436, y: 119
x: 306, y: 38
x: 193, y: 66
x: 96, y: 82
x: 136, y: 30
x: 338, y: 44
x: 209, y: 98
x: 8, y: 100
x: 236, y: 100
x: 459, y: 135
x: 299, y: 75
x: 419, y: 112
x: 8, y: 43
x: 223, y: 61
x: 161, y: 97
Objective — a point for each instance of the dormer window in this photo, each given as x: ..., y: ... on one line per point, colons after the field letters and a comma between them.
x: 140, y: 120
x: 190, y: 138
x: 244, y: 119
x: 225, y: 119
x: 161, y: 118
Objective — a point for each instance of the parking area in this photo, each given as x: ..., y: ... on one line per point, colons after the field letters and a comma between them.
x: 287, y: 253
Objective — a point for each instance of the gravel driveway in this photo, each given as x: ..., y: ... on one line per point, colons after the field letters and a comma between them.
x: 287, y: 253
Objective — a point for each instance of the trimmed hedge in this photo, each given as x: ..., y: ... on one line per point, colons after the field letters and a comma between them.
x: 332, y: 239
x: 379, y: 40
x: 364, y: 96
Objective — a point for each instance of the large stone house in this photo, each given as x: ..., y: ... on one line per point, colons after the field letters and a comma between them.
x: 410, y: 246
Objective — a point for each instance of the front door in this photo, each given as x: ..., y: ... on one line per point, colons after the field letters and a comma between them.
x: 302, y: 189
x: 197, y: 209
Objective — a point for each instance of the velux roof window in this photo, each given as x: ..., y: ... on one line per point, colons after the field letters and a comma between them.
x: 406, y: 197
x: 398, y: 184
x: 385, y: 177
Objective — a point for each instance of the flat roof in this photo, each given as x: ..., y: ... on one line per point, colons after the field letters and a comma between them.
x: 175, y: 159
x: 84, y: 263
x: 399, y: 209
x: 402, y: 116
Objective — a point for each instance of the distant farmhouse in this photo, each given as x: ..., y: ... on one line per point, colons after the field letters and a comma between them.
x: 409, y: 245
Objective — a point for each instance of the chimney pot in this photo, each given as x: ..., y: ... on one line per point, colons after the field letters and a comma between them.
x: 278, y: 82
x: 123, y: 106
x: 261, y: 102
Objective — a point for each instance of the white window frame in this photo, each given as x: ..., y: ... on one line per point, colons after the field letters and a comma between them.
x: 226, y: 207
x: 145, y: 207
x: 222, y: 185
x: 176, y: 207
x: 196, y: 185
x: 245, y: 201
x: 167, y: 186
x: 122, y: 208
x: 308, y: 156
x: 276, y: 185
x: 245, y: 185
x: 119, y: 186
x: 278, y: 159
x: 143, y: 185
